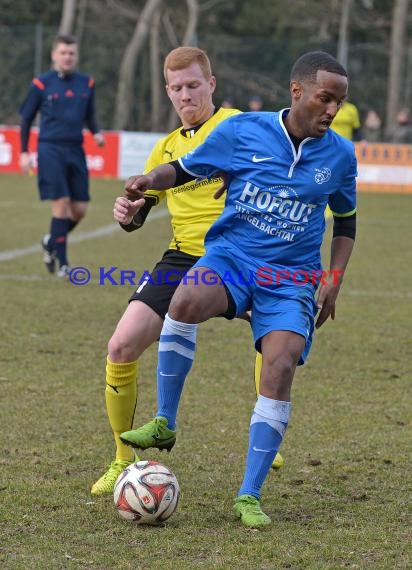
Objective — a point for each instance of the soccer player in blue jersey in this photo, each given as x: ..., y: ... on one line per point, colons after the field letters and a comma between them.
x: 65, y: 100
x: 262, y: 254
x: 190, y: 85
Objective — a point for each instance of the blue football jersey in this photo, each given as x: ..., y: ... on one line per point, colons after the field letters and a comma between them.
x: 277, y: 195
x: 66, y: 104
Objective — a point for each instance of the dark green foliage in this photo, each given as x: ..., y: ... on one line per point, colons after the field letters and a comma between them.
x: 18, y: 12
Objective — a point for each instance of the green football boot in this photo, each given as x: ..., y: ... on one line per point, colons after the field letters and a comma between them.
x: 105, y: 485
x: 153, y: 434
x: 247, y: 509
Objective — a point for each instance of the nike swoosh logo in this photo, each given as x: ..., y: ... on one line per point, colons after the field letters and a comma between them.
x: 162, y: 374
x: 261, y: 158
x: 262, y: 450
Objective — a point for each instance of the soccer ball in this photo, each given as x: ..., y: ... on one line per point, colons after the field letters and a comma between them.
x: 146, y: 492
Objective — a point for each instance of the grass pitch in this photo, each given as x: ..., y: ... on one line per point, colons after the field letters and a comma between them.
x: 343, y: 498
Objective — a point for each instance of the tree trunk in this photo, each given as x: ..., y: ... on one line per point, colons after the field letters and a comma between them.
x: 68, y: 17
x: 125, y: 88
x: 343, y: 33
x: 189, y: 39
x: 81, y: 19
x: 156, y: 74
x: 399, y: 22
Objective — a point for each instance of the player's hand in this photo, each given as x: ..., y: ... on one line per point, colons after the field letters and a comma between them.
x: 124, y: 210
x: 25, y: 162
x: 326, y: 301
x: 99, y: 139
x: 136, y: 185
x: 222, y: 189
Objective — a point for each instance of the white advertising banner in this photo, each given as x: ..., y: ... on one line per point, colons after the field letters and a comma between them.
x: 134, y: 148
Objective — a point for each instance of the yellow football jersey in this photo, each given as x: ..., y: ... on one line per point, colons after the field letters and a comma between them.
x: 346, y: 120
x: 192, y: 206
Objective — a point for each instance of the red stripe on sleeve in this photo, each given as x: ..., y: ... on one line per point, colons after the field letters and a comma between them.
x: 39, y: 84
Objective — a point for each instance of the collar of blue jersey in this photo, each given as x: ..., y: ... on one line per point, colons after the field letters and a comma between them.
x: 296, y: 140
x: 291, y: 138
x: 62, y: 75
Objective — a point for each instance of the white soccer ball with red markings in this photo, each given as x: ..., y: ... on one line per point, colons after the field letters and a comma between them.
x: 146, y: 492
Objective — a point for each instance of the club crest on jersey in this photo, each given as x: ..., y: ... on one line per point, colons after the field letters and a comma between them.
x: 322, y: 175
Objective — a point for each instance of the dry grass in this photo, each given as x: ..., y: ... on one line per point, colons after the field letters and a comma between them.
x: 342, y: 499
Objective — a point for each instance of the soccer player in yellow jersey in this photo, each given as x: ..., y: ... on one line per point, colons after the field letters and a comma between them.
x: 347, y: 122
x: 190, y: 86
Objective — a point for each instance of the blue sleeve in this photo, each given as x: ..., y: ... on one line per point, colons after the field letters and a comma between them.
x: 343, y: 201
x: 90, y: 119
x: 31, y: 104
x: 214, y: 155
x: 24, y: 135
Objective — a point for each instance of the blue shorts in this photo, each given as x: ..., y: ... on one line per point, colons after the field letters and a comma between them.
x: 62, y: 172
x: 285, y: 306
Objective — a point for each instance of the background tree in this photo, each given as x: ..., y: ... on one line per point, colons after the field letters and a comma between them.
x: 396, y: 62
x: 125, y: 88
x: 156, y: 74
x: 251, y: 45
x: 342, y: 54
x: 68, y: 17
x: 189, y: 39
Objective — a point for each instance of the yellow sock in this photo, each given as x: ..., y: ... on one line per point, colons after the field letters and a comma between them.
x: 258, y: 371
x: 278, y: 461
x: 121, y: 397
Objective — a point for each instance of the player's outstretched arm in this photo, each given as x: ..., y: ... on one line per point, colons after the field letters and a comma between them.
x: 160, y: 178
x: 341, y: 251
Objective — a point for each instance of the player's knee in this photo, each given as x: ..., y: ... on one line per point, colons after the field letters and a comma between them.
x: 277, y: 374
x: 77, y: 216
x: 185, y: 309
x: 77, y: 210
x: 283, y: 365
x: 184, y: 313
x: 120, y: 350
